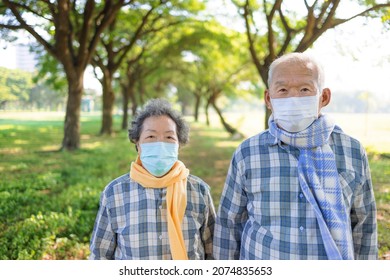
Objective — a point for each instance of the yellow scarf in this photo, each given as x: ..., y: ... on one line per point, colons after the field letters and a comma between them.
x: 176, y: 183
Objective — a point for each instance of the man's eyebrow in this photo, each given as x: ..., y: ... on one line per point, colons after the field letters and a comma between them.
x: 278, y: 83
x: 306, y: 83
x: 153, y: 130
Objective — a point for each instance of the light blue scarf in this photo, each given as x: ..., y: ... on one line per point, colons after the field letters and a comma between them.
x: 319, y: 180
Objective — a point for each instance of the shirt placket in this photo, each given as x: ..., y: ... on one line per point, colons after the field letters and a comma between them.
x: 163, y: 238
x: 301, y: 229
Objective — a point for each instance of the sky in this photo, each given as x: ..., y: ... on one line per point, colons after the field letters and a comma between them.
x: 355, y: 55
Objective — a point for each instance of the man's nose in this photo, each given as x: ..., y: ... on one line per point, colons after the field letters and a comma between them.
x: 294, y: 92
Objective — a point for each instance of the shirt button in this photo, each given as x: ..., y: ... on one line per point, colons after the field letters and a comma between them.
x: 160, y: 237
x: 301, y: 195
x: 160, y: 207
x: 301, y: 228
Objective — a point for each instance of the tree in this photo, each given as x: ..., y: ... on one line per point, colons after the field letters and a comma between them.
x: 21, y: 90
x: 155, y: 64
x: 125, y: 35
x: 117, y: 42
x: 274, y: 28
x: 136, y: 74
x: 216, y: 65
x: 69, y: 31
x: 15, y: 85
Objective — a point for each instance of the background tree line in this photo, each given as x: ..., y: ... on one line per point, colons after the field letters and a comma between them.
x: 20, y: 90
x: 146, y: 49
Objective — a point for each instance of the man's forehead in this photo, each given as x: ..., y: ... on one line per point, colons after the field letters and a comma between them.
x: 295, y: 69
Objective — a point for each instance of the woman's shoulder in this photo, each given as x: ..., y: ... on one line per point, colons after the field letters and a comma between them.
x: 118, y: 183
x: 197, y: 183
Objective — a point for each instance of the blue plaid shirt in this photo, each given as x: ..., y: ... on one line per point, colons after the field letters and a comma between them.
x: 263, y: 213
x: 132, y: 222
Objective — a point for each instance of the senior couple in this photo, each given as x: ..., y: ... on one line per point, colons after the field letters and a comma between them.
x: 299, y: 190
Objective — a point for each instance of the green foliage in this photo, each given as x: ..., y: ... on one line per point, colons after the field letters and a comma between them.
x: 49, y: 199
x: 14, y: 84
x: 28, y: 239
x: 20, y: 90
x: 380, y: 172
x: 50, y: 71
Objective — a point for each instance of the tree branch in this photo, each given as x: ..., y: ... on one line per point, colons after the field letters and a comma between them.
x: 23, y: 25
x: 109, y: 12
x: 86, y: 28
x: 251, y: 41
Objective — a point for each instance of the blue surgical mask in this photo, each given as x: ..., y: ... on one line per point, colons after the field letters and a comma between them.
x: 159, y: 157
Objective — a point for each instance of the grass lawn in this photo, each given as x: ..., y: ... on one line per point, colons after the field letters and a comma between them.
x: 49, y: 199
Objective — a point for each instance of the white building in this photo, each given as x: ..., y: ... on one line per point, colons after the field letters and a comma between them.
x: 25, y: 60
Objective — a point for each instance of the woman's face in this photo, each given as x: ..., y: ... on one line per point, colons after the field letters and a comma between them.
x: 158, y: 129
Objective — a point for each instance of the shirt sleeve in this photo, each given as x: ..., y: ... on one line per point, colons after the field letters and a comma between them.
x: 208, y: 227
x: 363, y: 217
x: 232, y: 216
x: 103, y: 240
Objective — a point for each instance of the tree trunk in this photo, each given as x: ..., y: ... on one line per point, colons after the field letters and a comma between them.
x: 141, y: 92
x: 125, y: 107
x: 71, y: 140
x: 227, y: 127
x: 108, y: 105
x: 197, y: 105
x: 267, y: 115
x: 134, y: 106
x: 206, y: 110
x: 128, y: 94
x: 264, y: 75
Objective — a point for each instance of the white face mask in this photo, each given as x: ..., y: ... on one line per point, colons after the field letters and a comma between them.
x: 295, y: 114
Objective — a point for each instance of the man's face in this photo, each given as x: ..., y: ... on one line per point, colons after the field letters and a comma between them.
x: 295, y: 80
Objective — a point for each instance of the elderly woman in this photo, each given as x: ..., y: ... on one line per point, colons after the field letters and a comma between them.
x: 157, y: 211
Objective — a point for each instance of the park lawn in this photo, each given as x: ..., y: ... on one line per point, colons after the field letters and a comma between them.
x: 49, y: 199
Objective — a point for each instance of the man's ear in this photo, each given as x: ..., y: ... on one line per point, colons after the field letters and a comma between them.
x: 325, y: 97
x: 267, y: 99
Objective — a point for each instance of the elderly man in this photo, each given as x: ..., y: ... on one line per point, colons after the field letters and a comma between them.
x: 301, y: 189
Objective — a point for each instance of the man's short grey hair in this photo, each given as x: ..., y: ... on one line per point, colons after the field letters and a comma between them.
x: 301, y: 58
x: 155, y: 108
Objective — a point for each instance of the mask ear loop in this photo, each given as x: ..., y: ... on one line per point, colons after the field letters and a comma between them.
x: 319, y: 94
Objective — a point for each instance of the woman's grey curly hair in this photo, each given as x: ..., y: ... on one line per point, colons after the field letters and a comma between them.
x: 159, y: 107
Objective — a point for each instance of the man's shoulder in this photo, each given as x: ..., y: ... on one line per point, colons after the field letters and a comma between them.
x: 260, y: 139
x: 254, y: 145
x: 340, y: 138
